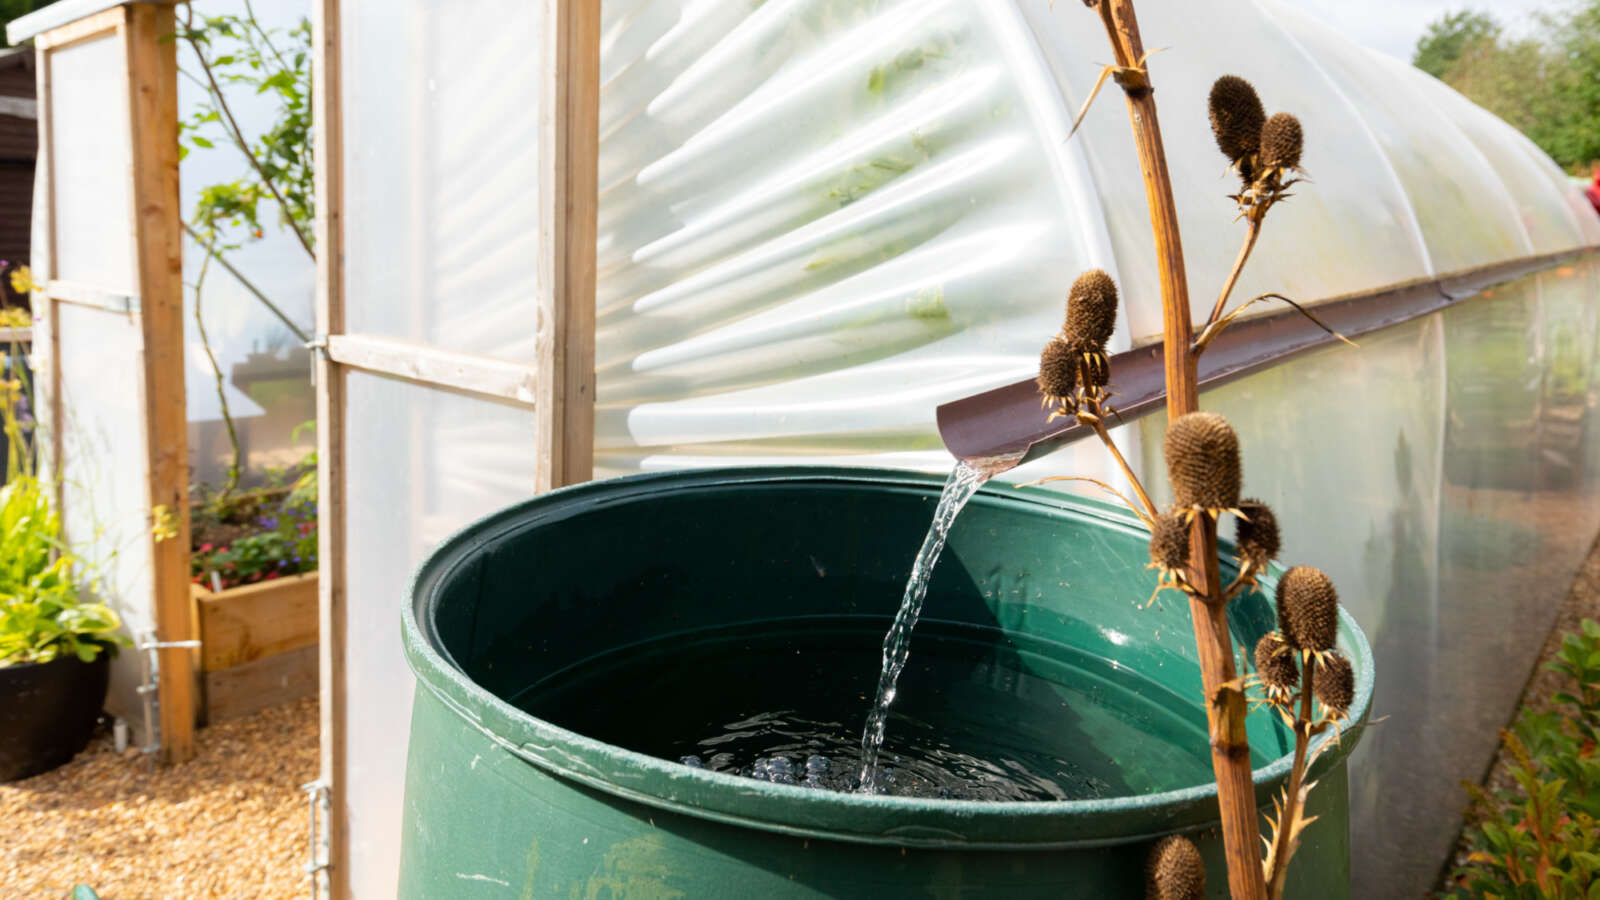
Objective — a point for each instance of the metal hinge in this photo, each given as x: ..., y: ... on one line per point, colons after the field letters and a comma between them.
x: 319, y: 847
x: 319, y: 351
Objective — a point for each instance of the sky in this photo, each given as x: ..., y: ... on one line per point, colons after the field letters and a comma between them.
x: 1393, y: 26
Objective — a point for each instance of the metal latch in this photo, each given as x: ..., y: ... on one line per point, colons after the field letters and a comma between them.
x: 319, y: 849
x: 149, y: 665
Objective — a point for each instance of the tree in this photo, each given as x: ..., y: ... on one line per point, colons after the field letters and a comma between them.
x: 236, y: 52
x: 1449, y: 36
x: 1547, y: 85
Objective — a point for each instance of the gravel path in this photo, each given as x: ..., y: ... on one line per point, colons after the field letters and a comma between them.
x: 230, y: 823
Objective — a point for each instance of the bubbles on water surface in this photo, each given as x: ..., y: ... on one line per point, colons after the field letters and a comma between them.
x: 785, y: 748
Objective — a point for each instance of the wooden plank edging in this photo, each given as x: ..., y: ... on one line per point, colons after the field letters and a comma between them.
x: 244, y: 624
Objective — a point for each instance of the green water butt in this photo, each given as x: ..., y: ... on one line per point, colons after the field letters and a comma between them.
x: 568, y: 647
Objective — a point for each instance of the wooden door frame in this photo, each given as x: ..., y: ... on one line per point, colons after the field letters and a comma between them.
x: 558, y: 383
x: 144, y: 30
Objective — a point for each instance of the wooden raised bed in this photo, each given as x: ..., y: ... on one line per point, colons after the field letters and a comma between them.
x: 258, y: 644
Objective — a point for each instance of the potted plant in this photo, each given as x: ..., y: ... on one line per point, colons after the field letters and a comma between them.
x: 54, y: 647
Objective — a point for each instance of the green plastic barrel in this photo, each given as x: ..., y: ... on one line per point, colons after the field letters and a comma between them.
x: 555, y: 640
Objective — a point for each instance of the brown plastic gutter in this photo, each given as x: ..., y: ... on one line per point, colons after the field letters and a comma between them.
x: 1009, y: 422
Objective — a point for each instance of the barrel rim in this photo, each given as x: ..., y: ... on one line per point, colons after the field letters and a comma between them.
x: 789, y: 809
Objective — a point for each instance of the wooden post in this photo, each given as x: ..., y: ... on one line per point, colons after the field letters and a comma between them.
x: 153, y: 105
x: 46, y: 336
x: 569, y: 142
x: 328, y: 156
x: 1225, y: 707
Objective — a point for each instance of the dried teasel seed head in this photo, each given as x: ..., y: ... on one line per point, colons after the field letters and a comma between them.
x: 1175, y: 870
x: 1236, y: 117
x: 1308, y: 609
x: 1058, y: 369
x: 1281, y: 142
x: 1203, y: 461
x: 1257, y: 534
x: 1275, y: 663
x: 1092, y: 309
x: 1169, y: 542
x: 1334, y: 683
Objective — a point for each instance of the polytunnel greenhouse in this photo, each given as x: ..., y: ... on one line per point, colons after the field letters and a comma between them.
x: 819, y: 225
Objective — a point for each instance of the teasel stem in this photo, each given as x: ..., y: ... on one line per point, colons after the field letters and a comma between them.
x: 1215, y: 328
x: 1225, y: 702
x: 1290, y: 816
x: 1238, y: 267
x: 1132, y: 507
x: 1099, y: 426
x: 1244, y: 579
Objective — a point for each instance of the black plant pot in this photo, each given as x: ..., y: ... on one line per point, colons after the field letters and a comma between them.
x: 48, y: 712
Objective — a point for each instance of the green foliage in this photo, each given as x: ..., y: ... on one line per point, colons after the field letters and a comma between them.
x: 303, y: 491
x: 1540, y: 840
x: 284, y: 550
x: 14, y: 9
x: 237, y: 51
x: 283, y: 541
x: 1547, y: 85
x: 1446, y: 37
x: 234, y: 52
x: 41, y: 614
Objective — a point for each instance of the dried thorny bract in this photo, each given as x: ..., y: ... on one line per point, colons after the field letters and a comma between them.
x: 1275, y: 664
x: 1236, y: 120
x: 1277, y: 162
x: 1091, y: 310
x: 1072, y: 377
x: 1175, y: 870
x: 1308, y: 609
x: 1169, y: 551
x: 1334, y: 683
x: 1095, y: 370
x: 1255, y: 533
x: 1202, y: 454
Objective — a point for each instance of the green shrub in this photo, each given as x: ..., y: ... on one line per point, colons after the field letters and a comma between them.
x: 41, y: 613
x: 1540, y: 840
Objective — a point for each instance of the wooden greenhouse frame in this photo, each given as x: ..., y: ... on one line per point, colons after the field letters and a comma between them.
x: 156, y: 307
x: 557, y: 386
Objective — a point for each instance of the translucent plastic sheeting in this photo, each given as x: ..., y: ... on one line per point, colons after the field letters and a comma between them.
x: 266, y: 370
x: 90, y: 144
x: 105, y: 488
x: 1461, y: 206
x: 441, y: 134
x: 819, y: 220
x: 419, y: 463
x: 1445, y: 475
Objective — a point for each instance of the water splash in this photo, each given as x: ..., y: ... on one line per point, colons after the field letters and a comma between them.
x: 964, y: 481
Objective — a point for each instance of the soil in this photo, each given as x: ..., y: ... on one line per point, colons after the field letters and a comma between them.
x: 237, y: 521
x: 1583, y: 602
x: 232, y: 822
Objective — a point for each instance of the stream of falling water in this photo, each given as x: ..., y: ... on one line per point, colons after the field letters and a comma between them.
x: 964, y: 481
